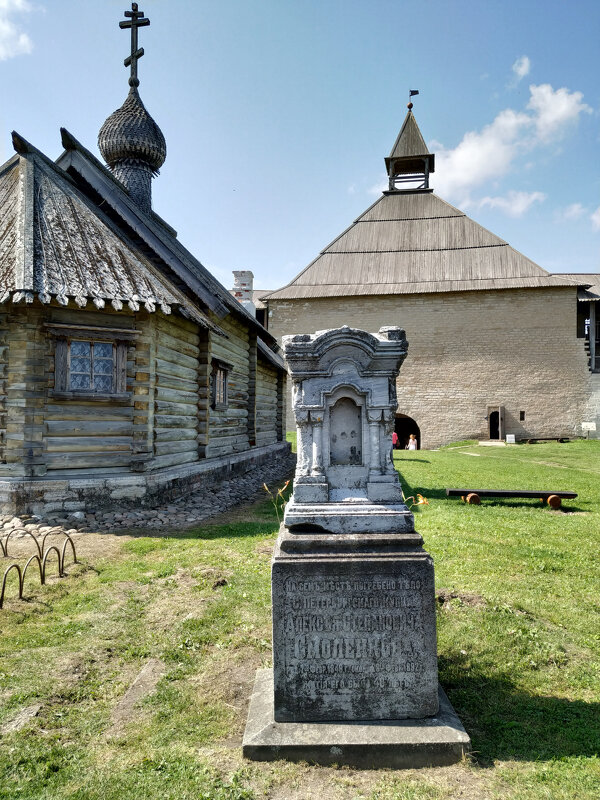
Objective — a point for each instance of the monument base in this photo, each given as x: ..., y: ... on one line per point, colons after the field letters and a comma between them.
x: 396, y: 744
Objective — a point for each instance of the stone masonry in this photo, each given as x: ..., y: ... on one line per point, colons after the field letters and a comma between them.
x: 472, y: 350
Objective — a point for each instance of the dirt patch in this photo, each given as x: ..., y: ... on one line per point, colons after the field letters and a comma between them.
x: 23, y: 717
x: 445, y: 597
x: 126, y: 710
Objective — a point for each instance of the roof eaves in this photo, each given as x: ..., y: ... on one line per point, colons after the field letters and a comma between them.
x: 156, y: 235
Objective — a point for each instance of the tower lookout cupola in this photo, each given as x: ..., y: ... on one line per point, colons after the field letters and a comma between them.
x: 410, y: 161
x: 130, y: 141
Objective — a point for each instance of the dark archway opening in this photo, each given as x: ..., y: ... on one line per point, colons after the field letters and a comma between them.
x: 404, y: 426
x: 494, y: 425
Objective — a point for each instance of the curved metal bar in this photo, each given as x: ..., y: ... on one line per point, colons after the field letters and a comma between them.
x: 39, y: 563
x: 67, y: 541
x: 20, y: 574
x: 3, y: 548
x: 45, y: 559
x: 29, y: 533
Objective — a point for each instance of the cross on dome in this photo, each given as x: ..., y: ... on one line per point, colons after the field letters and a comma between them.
x: 138, y: 20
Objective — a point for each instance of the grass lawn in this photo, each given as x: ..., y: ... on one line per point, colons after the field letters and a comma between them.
x: 518, y: 643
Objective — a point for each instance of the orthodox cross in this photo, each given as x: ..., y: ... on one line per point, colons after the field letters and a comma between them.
x: 138, y: 20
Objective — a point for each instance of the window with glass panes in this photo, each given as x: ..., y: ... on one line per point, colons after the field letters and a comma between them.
x: 91, y: 366
x: 220, y: 372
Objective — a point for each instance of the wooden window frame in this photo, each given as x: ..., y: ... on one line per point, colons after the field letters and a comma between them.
x: 120, y: 338
x: 225, y: 368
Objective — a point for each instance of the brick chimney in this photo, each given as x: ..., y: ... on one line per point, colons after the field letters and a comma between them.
x: 243, y: 280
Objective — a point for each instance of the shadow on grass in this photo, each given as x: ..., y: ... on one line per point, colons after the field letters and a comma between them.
x: 506, y: 723
x: 238, y: 530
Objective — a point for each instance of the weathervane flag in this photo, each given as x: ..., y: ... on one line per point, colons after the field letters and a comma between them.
x: 412, y: 92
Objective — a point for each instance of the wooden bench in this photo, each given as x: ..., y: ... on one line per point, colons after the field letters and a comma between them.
x: 473, y: 496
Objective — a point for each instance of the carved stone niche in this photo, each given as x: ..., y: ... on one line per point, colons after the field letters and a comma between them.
x: 344, y: 399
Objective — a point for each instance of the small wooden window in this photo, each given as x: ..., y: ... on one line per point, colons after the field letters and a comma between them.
x: 219, y: 388
x: 90, y: 362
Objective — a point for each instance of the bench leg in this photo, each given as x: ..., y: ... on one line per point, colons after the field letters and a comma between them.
x: 473, y: 499
x: 554, y: 501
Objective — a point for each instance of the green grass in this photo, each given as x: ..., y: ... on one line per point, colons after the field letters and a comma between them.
x: 518, y: 649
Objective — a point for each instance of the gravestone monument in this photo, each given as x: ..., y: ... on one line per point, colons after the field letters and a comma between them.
x: 354, y: 644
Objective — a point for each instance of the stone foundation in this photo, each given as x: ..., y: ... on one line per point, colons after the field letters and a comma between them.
x: 44, y: 496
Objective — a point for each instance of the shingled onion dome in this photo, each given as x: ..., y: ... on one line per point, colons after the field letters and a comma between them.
x: 134, y: 148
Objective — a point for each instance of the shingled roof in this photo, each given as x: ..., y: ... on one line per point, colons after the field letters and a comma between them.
x: 55, y: 245
x: 411, y: 241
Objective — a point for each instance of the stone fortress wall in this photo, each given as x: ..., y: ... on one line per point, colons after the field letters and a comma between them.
x: 516, y: 348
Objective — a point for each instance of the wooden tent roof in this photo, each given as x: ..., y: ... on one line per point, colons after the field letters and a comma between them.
x: 411, y: 242
x: 410, y: 141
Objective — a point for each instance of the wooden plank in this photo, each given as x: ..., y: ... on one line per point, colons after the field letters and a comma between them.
x: 85, y: 460
x: 74, y: 444
x: 163, y: 407
x: 178, y: 344
x: 174, y: 434
x: 87, y: 427
x: 161, y: 448
x: 89, y: 411
x: 176, y: 395
x: 171, y: 382
x: 173, y: 421
x: 171, y: 460
x: 510, y: 493
x: 175, y: 357
x: 167, y: 368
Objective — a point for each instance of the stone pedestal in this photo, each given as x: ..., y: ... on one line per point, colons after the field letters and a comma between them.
x: 353, y: 627
x: 354, y: 643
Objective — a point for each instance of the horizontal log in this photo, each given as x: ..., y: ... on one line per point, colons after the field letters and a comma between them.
x: 171, y: 382
x: 162, y: 448
x: 99, y: 411
x: 172, y: 459
x: 176, y: 395
x: 168, y: 368
x: 176, y: 357
x: 75, y: 444
x: 87, y: 460
x: 86, y: 427
x: 171, y: 327
x: 178, y: 344
x: 174, y: 434
x: 174, y: 421
x: 186, y: 409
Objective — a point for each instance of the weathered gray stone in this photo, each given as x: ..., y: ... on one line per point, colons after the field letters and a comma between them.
x: 397, y: 744
x: 344, y: 403
x: 353, y: 628
x: 354, y: 639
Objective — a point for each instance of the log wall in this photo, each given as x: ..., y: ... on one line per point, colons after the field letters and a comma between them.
x: 228, y: 428
x: 266, y: 403
x: 176, y: 392
x: 94, y: 436
x: 3, y: 373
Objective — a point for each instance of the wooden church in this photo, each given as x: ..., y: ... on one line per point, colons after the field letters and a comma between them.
x: 127, y: 372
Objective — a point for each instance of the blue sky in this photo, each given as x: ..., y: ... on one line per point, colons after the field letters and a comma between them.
x: 278, y: 113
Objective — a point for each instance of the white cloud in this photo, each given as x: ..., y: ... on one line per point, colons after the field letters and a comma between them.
x: 521, y: 67
x: 489, y: 154
x: 13, y: 41
x: 482, y: 155
x: 515, y: 204
x: 574, y: 211
x: 554, y: 110
x: 595, y: 217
